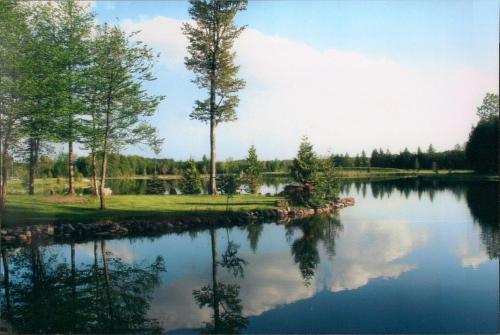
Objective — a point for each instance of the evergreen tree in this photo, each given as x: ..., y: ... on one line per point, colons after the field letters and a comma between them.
x: 211, y: 58
x: 305, y: 164
x: 482, y: 148
x: 191, y: 182
x: 252, y: 175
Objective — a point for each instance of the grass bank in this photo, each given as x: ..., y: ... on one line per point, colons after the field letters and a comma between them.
x: 23, y: 209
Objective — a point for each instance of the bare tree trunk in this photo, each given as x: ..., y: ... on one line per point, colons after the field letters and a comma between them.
x: 34, y: 145
x: 4, y: 173
x: 105, y: 152
x: 95, y: 191
x: 215, y: 285
x: 102, y: 185
x: 71, y: 169
x: 213, y: 164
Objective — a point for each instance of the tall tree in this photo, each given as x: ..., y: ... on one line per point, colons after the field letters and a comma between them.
x: 211, y: 58
x: 120, y: 68
x: 13, y: 31
x: 74, y: 27
x: 39, y: 78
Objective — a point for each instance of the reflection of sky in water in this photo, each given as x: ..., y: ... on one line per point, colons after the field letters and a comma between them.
x: 400, y: 264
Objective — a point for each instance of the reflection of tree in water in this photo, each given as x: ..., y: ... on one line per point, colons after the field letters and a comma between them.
x: 46, y: 295
x: 482, y: 199
x: 305, y: 248
x: 407, y: 186
x: 223, y: 299
x: 254, y: 231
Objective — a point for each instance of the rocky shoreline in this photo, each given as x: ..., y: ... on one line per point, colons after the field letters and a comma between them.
x: 66, y: 232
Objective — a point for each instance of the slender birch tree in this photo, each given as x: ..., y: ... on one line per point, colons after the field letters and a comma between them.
x: 120, y: 69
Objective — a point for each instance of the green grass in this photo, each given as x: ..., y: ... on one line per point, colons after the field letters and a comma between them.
x: 23, y: 209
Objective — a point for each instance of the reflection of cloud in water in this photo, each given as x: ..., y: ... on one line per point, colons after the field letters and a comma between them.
x: 370, y: 250
x: 470, y: 251
x: 122, y: 251
x: 274, y: 281
x: 173, y: 304
x: 364, y: 252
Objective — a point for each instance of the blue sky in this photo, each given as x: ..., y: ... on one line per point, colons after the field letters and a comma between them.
x: 440, y: 58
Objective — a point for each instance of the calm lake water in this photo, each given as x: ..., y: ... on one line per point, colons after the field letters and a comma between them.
x: 410, y: 257
x: 271, y: 185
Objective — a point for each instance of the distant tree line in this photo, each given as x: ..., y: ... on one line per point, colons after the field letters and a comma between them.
x: 137, y: 166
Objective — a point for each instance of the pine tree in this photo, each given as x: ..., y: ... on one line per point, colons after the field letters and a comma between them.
x: 191, y: 182
x: 252, y: 175
x: 305, y: 164
x: 211, y: 39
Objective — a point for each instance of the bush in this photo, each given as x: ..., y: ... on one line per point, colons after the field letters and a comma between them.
x: 191, y: 182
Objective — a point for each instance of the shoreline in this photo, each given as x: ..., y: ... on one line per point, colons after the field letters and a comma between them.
x: 109, y: 229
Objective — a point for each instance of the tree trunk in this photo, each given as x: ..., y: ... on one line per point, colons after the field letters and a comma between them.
x: 215, y: 285
x: 213, y: 165
x: 4, y: 173
x: 106, y: 279
x: 73, y: 271
x: 34, y: 145
x: 71, y: 169
x: 94, y: 174
x: 102, y: 185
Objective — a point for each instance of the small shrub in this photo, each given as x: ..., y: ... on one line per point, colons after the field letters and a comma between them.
x: 191, y: 182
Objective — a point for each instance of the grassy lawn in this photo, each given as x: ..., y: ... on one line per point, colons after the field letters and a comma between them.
x: 25, y: 210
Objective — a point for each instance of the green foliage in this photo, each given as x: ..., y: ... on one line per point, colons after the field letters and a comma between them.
x: 211, y: 58
x: 488, y: 110
x: 326, y: 183
x: 191, y: 182
x: 305, y: 164
x: 252, y: 174
x: 482, y: 148
x: 228, y: 184
x: 316, y: 178
x: 155, y: 186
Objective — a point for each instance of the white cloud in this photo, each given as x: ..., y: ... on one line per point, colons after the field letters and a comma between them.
x: 342, y: 100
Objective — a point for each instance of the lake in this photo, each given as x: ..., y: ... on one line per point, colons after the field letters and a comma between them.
x: 412, y: 256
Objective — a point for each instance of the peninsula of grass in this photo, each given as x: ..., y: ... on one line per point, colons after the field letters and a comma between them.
x: 23, y: 210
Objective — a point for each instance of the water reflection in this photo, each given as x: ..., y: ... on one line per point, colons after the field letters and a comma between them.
x: 46, y: 295
x: 271, y: 185
x: 420, y: 249
x: 223, y: 298
x: 305, y: 248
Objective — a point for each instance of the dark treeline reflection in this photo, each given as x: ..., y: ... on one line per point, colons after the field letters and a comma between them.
x: 482, y: 198
x: 406, y: 186
x: 223, y: 298
x: 304, y: 249
x: 45, y: 294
